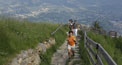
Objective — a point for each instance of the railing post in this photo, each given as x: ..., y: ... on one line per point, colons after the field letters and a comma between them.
x: 97, y: 46
x: 85, y: 39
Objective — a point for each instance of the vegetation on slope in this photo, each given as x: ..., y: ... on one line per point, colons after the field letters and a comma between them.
x: 111, y: 45
x: 18, y: 35
x: 83, y: 51
x: 60, y: 37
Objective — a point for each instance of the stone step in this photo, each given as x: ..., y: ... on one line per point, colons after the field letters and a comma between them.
x: 78, y: 39
x: 76, y: 46
x: 76, y: 49
x: 77, y: 43
x: 76, y: 59
x: 77, y: 64
x: 77, y: 54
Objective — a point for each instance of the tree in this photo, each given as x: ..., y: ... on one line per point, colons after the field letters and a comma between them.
x: 96, y: 25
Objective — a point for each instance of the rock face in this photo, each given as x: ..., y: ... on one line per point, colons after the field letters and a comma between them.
x: 52, y: 41
x: 32, y: 56
x: 28, y: 57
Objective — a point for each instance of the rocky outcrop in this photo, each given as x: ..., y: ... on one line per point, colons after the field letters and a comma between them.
x: 32, y: 56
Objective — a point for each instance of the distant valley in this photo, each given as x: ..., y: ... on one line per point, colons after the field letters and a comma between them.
x: 108, y: 12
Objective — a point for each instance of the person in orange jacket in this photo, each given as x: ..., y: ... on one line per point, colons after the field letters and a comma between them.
x: 71, y: 43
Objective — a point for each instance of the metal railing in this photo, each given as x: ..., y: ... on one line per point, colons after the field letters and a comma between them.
x: 57, y: 29
x: 96, y: 52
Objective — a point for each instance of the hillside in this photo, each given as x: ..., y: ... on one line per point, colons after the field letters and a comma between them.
x: 16, y: 35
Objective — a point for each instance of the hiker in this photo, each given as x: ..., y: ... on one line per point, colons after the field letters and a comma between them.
x: 71, y: 44
x: 70, y: 23
x: 75, y: 28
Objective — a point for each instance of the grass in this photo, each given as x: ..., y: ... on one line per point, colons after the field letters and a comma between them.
x: 83, y: 51
x: 111, y: 45
x: 60, y: 37
x: 16, y: 35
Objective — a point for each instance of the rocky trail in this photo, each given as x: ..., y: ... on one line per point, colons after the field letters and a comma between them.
x: 60, y: 57
x: 76, y: 60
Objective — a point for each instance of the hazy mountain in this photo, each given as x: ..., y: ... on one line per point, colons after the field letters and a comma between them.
x: 109, y: 12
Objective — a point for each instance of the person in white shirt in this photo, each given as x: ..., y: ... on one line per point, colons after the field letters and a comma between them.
x: 75, y: 28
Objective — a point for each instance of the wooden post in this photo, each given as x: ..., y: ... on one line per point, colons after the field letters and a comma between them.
x: 85, y: 42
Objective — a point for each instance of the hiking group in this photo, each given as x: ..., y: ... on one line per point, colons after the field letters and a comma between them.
x: 72, y: 37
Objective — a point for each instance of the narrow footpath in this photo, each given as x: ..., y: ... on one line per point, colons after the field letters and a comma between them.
x: 60, y: 57
x: 76, y: 60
